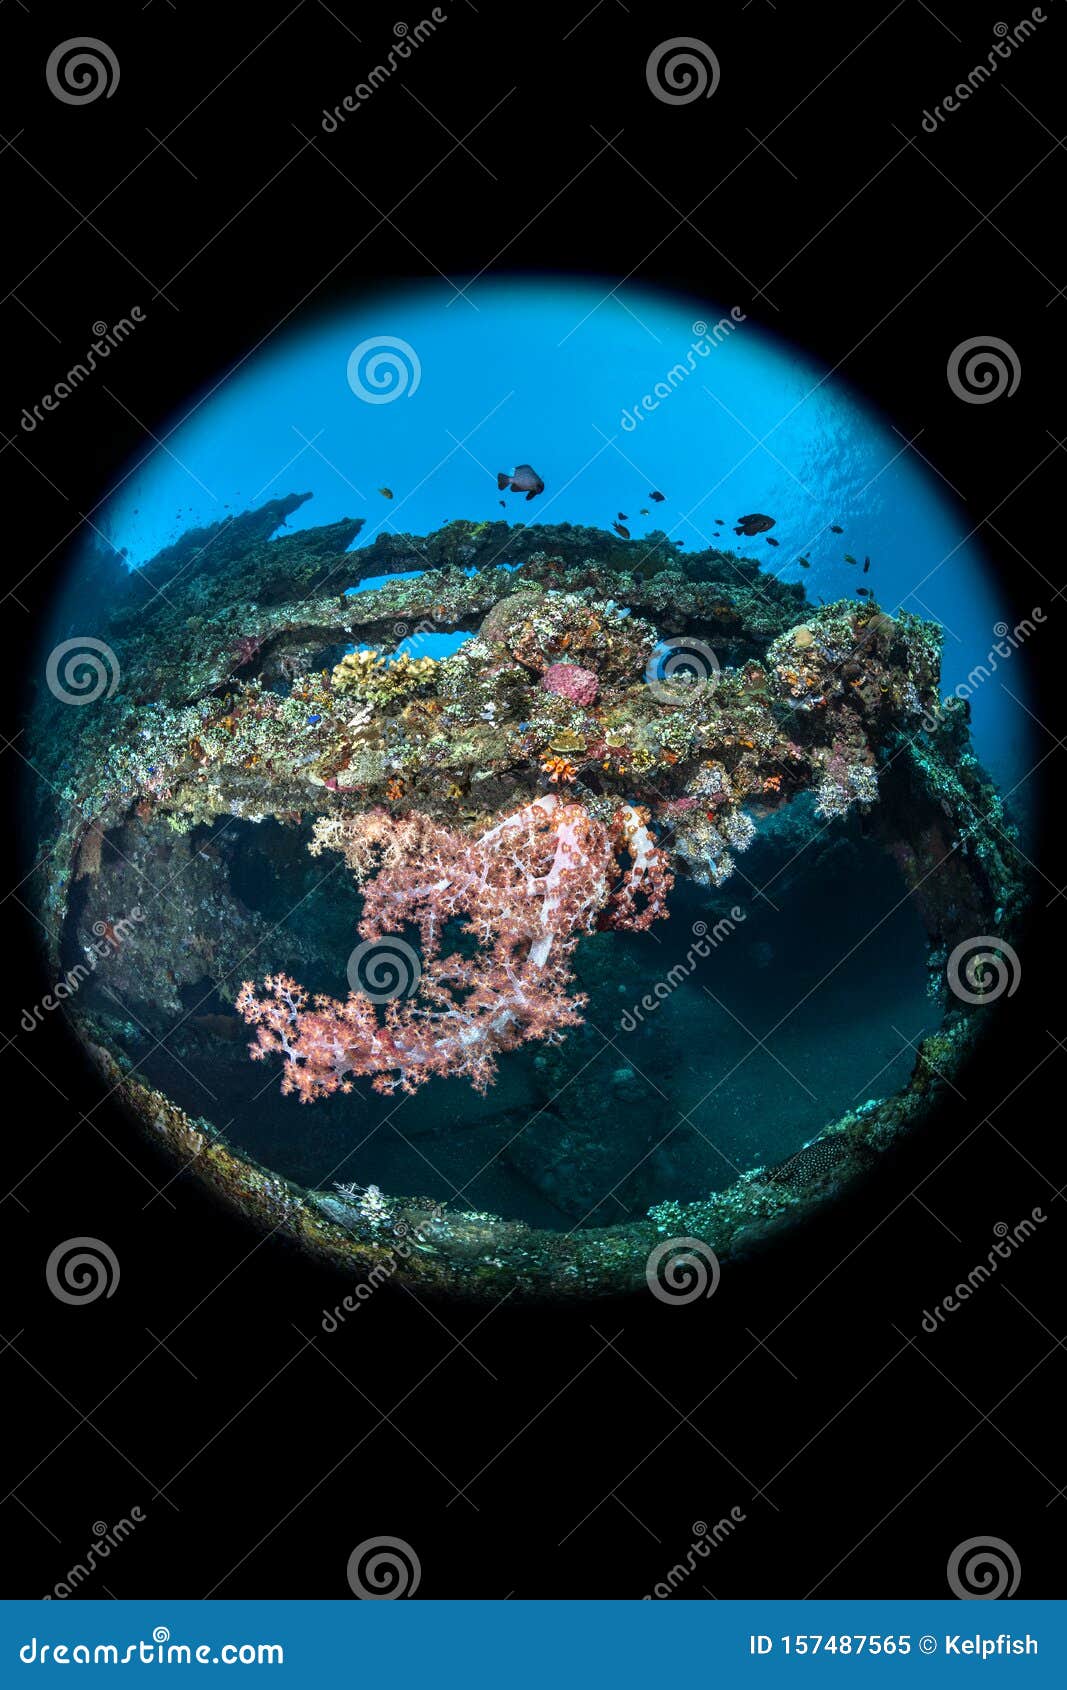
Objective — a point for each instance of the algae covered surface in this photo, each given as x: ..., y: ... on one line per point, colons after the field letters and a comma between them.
x: 505, y: 848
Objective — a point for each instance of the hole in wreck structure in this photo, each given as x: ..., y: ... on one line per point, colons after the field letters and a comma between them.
x: 687, y: 1070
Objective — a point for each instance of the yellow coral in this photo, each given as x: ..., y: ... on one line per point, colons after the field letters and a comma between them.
x: 370, y: 675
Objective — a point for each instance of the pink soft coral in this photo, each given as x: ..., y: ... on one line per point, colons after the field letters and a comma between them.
x: 527, y: 889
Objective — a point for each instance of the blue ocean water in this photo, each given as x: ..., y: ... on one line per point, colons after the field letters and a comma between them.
x: 608, y: 401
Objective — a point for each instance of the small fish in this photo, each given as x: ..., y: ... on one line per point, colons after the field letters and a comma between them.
x: 502, y: 505
x: 864, y: 592
x: 622, y: 516
x: 657, y: 498
x: 386, y: 492
x: 849, y: 558
x: 816, y: 1161
x: 644, y: 510
x: 755, y: 523
x: 803, y: 562
x: 522, y: 479
x: 771, y: 541
x: 866, y: 565
x: 619, y: 529
x: 834, y: 529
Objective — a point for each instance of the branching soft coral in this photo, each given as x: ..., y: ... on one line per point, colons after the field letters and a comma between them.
x: 526, y: 890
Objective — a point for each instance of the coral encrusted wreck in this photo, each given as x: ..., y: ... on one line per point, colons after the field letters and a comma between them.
x: 618, y: 718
